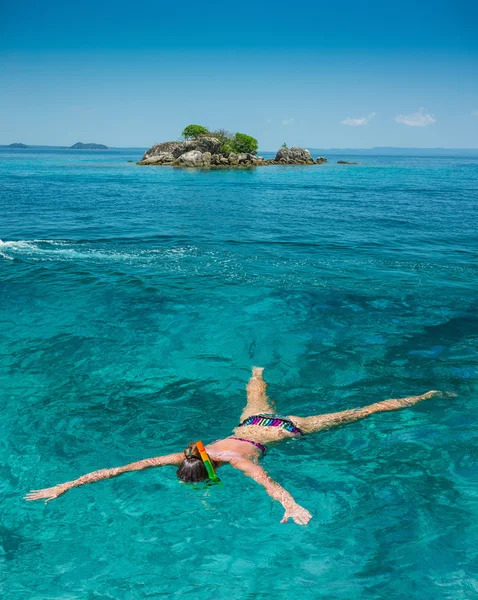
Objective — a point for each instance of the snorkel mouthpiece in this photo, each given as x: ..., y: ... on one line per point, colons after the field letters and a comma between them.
x: 207, y: 462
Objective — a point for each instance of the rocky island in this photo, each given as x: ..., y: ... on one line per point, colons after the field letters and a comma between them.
x: 81, y: 146
x: 17, y: 145
x: 211, y: 149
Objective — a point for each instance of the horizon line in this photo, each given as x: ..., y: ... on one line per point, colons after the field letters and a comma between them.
x: 68, y: 147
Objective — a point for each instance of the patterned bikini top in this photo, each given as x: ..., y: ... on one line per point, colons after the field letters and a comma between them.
x: 272, y: 420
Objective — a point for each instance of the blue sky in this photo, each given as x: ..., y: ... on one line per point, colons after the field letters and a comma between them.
x: 345, y: 74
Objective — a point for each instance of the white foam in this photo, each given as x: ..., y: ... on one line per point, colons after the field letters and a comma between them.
x: 65, y: 250
x: 21, y: 244
x: 40, y: 250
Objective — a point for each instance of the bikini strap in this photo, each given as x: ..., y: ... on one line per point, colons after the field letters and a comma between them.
x: 261, y: 447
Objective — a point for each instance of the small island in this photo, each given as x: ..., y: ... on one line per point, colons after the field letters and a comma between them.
x: 17, y: 145
x: 221, y: 149
x: 81, y: 146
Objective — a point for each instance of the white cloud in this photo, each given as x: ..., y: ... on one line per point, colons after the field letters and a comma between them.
x: 416, y: 119
x: 356, y: 122
x: 288, y: 121
x: 474, y: 113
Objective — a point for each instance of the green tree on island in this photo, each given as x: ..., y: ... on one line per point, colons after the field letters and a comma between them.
x: 193, y: 132
x: 245, y: 143
x: 237, y: 142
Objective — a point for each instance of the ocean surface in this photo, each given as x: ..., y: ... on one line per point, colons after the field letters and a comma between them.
x: 133, y: 303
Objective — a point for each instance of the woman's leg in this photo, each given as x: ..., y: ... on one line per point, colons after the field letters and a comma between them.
x: 326, y: 421
x: 257, y: 400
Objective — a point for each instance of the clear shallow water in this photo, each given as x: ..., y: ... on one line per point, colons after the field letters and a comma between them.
x: 133, y: 302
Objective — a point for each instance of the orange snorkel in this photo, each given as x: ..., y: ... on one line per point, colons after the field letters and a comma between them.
x: 207, y: 461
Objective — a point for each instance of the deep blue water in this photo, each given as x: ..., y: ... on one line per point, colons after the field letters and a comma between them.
x: 133, y: 302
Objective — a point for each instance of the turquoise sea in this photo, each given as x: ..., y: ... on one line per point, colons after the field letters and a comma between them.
x: 133, y: 303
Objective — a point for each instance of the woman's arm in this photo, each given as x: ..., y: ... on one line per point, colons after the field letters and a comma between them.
x: 299, y: 514
x: 53, y: 492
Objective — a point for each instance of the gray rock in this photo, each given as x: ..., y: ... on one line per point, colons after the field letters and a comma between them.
x: 163, y: 158
x: 170, y: 147
x: 193, y: 158
x: 321, y: 159
x: 344, y: 162
x: 282, y: 153
x: 293, y: 156
x: 204, y: 144
x: 206, y: 157
x: 246, y: 158
x: 233, y: 159
x: 177, y: 149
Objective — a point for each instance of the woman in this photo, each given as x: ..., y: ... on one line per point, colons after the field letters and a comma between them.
x: 259, y: 428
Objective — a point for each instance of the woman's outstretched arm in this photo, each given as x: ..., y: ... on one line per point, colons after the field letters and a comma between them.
x: 48, y: 494
x: 299, y: 514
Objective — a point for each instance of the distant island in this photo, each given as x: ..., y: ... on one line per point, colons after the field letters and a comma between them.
x: 397, y: 151
x: 204, y: 148
x: 81, y: 146
x: 17, y: 145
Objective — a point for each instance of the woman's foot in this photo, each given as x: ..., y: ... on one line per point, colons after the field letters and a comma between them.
x: 427, y: 396
x: 437, y: 394
x: 257, y: 372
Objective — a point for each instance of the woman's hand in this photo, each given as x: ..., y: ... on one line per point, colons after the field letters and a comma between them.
x: 48, y: 493
x: 299, y: 514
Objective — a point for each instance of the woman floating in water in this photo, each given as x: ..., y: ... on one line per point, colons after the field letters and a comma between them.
x: 259, y: 427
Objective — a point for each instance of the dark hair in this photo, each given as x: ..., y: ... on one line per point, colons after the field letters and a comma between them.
x: 192, y: 468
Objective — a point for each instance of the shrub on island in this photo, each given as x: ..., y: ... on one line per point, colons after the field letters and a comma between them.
x: 193, y: 132
x: 245, y: 143
x: 230, y: 142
